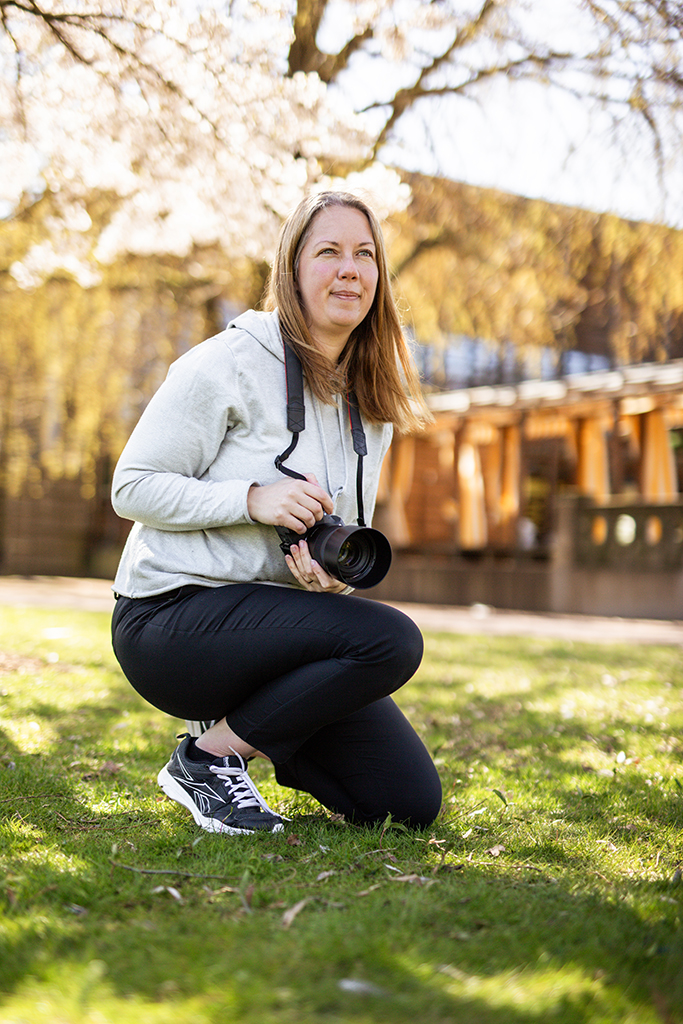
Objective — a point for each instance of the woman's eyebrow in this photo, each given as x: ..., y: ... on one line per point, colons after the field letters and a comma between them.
x: 332, y: 241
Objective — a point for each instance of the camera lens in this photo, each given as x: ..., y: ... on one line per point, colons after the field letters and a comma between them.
x: 352, y: 556
x: 356, y: 555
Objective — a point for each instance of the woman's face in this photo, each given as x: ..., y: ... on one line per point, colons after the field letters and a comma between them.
x: 337, y: 276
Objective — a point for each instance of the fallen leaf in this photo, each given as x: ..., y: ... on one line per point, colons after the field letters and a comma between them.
x: 366, y: 892
x: 413, y: 879
x: 289, y: 915
x: 293, y: 841
x: 496, y: 850
x: 325, y: 874
x: 170, y: 890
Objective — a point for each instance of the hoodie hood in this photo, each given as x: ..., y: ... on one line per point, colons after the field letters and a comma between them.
x: 263, y: 328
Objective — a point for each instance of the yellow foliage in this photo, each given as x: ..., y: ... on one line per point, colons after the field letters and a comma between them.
x: 507, y: 269
x: 78, y: 365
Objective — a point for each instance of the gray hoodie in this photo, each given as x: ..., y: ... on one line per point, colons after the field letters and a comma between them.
x: 212, y: 430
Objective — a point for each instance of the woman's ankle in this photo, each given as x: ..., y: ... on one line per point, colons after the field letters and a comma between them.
x: 221, y: 741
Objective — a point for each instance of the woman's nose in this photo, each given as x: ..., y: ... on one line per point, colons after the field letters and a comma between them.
x: 347, y: 267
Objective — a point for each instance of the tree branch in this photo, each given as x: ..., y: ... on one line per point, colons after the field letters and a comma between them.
x: 304, y: 54
x: 97, y: 24
x: 407, y: 97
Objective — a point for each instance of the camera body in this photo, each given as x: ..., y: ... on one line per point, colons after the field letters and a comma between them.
x: 355, y: 555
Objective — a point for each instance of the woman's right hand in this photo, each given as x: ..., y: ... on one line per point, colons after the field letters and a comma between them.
x: 294, y: 504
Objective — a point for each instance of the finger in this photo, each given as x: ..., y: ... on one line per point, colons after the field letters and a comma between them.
x: 295, y: 504
x: 306, y: 509
x: 300, y: 566
x: 302, y: 558
x: 309, y: 572
x: 295, y: 570
x: 322, y: 495
x: 322, y: 578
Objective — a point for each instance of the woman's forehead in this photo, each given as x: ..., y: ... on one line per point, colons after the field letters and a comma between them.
x: 335, y: 219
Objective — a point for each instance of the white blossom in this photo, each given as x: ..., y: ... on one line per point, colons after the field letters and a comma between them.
x: 213, y: 146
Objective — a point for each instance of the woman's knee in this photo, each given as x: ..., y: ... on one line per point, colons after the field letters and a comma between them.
x: 421, y: 811
x: 399, y: 637
x: 417, y: 811
x: 409, y: 792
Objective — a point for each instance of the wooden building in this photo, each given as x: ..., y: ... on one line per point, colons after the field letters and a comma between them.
x: 514, y: 484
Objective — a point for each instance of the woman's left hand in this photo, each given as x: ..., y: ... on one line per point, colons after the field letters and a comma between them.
x: 308, y: 573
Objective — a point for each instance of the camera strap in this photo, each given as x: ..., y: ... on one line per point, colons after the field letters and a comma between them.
x: 296, y: 422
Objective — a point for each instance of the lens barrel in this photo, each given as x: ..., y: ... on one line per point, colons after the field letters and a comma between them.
x: 356, y: 555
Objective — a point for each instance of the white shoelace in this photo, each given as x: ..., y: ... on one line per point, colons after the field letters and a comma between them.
x: 241, y: 787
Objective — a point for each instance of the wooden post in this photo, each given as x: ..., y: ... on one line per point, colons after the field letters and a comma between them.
x: 510, y: 484
x: 592, y: 471
x: 472, y: 520
x: 657, y: 467
x: 398, y: 468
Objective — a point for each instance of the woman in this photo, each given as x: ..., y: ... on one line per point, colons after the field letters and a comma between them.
x: 212, y: 621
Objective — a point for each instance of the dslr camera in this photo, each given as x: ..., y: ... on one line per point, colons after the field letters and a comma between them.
x: 355, y: 555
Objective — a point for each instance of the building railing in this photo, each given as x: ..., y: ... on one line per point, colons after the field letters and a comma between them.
x: 621, y: 534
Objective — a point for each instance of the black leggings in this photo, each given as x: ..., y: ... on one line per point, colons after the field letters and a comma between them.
x: 303, y: 677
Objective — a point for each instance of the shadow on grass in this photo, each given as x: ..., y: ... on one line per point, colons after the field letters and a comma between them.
x: 499, y: 943
x: 446, y: 954
x: 438, y: 953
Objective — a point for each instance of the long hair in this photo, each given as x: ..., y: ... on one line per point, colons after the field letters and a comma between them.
x: 376, y: 362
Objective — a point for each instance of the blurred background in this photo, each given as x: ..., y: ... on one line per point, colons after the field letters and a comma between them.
x: 525, y: 158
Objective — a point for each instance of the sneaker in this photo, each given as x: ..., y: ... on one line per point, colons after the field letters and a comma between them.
x: 220, y: 793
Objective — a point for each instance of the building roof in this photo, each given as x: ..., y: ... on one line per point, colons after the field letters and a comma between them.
x: 638, y: 388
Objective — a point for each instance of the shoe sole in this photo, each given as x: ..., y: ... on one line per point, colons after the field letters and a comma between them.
x: 175, y: 791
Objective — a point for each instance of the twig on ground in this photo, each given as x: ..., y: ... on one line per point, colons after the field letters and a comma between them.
x: 164, y: 871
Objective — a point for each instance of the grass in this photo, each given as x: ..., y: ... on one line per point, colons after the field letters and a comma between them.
x: 548, y: 891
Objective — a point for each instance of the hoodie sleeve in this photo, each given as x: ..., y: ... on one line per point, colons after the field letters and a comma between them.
x: 163, y: 478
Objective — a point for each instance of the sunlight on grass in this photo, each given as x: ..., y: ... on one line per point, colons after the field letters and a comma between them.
x: 82, y: 994
x: 548, y: 890
x: 546, y: 991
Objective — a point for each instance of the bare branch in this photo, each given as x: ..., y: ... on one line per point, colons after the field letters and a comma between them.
x: 407, y: 97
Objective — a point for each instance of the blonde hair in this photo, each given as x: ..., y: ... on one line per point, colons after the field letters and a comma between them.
x: 376, y: 362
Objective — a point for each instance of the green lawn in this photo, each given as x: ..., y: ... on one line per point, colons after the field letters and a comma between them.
x: 548, y: 891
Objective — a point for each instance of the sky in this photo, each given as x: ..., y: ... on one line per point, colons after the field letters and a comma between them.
x: 534, y: 140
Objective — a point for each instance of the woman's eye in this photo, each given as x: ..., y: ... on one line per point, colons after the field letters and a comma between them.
x: 367, y: 252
